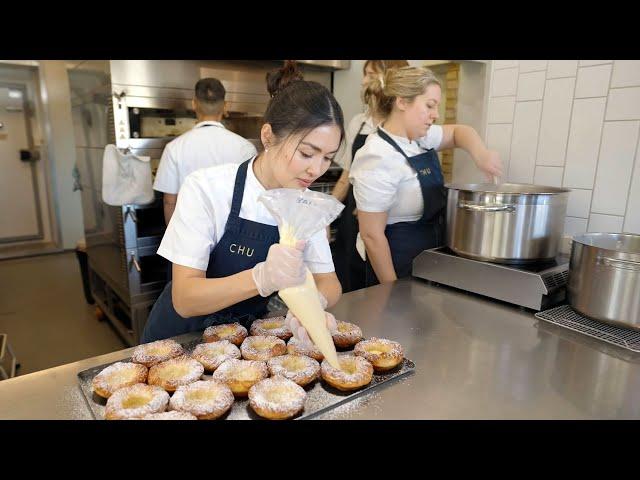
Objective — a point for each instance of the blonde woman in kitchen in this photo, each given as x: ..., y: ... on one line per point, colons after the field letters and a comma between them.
x: 396, y: 176
x: 350, y: 268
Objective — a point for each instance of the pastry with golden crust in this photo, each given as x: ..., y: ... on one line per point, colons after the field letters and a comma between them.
x: 383, y: 354
x: 241, y: 375
x: 234, y: 332
x: 118, y: 375
x: 175, y: 372
x: 277, y: 398
x: 207, y: 400
x: 354, y: 372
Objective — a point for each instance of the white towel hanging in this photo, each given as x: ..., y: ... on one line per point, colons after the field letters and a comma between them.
x: 126, y: 178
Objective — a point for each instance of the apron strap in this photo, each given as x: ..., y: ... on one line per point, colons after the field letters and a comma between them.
x: 238, y: 190
x: 391, y: 142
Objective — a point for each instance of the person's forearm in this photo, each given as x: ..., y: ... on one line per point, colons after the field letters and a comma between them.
x: 169, y: 201
x: 342, y: 186
x: 169, y: 208
x: 331, y: 289
x: 379, y: 254
x: 203, y: 296
x: 467, y: 138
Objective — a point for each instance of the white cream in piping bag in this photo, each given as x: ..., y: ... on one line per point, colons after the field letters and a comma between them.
x: 304, y: 303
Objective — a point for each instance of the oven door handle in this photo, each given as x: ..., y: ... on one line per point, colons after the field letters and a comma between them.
x: 134, y: 262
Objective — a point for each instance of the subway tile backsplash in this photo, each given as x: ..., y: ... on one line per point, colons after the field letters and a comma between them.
x: 554, y: 127
x: 574, y: 123
x: 593, y: 81
x: 585, y: 132
x: 619, y: 140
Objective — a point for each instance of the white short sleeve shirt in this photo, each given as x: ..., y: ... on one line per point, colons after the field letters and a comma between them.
x: 201, y: 213
x: 205, y: 145
x: 383, y: 180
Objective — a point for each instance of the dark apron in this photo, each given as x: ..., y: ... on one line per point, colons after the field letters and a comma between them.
x: 408, y: 239
x: 350, y: 268
x: 244, y: 244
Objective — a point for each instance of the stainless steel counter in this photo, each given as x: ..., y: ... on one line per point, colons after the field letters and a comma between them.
x: 475, y: 359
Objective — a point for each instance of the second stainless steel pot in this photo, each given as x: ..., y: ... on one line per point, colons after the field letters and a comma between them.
x: 506, y: 223
x: 604, y: 277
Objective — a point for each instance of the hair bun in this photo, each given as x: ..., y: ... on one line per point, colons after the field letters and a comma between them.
x: 280, y: 78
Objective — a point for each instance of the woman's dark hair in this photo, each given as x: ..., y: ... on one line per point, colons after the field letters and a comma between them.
x: 298, y: 105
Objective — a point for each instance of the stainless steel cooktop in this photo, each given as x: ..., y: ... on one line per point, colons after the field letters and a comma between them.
x: 537, y: 286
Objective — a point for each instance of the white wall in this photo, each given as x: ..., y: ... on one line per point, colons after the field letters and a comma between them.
x: 470, y: 111
x: 346, y: 89
x: 60, y: 149
x: 574, y: 124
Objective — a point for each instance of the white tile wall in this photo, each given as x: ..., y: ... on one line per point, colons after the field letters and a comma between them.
x: 579, y: 203
x: 531, y: 86
x: 562, y: 68
x: 626, y: 73
x: 499, y: 138
x: 548, y: 176
x: 605, y: 223
x: 632, y: 221
x: 623, y: 104
x: 504, y: 82
x: 586, y: 63
x: 532, y: 65
x: 574, y: 226
x: 554, y: 127
x: 584, y: 142
x: 524, y: 141
x: 576, y: 123
x: 615, y: 163
x: 593, y: 81
x: 501, y: 109
x: 498, y: 64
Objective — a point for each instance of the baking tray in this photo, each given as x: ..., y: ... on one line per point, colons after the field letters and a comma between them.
x: 321, y: 397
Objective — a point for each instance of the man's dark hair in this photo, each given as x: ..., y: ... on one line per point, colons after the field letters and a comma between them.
x: 210, y: 95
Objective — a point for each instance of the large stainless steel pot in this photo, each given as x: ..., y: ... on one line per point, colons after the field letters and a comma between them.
x: 505, y: 223
x: 604, y: 277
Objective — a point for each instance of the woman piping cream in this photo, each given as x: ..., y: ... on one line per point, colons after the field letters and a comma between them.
x: 223, y: 243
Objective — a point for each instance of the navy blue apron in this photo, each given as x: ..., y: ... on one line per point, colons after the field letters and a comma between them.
x: 350, y: 268
x: 408, y: 239
x: 244, y: 244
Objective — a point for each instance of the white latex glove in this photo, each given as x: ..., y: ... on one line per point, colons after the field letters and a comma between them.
x: 283, y: 268
x: 300, y: 333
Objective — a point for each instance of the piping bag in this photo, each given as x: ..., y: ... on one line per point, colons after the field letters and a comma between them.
x: 300, y: 214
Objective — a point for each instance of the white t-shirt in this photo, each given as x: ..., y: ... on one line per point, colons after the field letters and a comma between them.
x: 350, y: 135
x: 383, y: 180
x: 201, y: 213
x: 207, y: 144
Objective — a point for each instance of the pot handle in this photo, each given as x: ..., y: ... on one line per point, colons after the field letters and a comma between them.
x: 492, y: 207
x: 619, y: 263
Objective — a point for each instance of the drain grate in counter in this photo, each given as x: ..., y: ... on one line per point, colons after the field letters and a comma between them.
x: 566, y: 317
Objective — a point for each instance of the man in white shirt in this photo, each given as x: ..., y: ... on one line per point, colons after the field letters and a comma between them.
x: 208, y: 144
